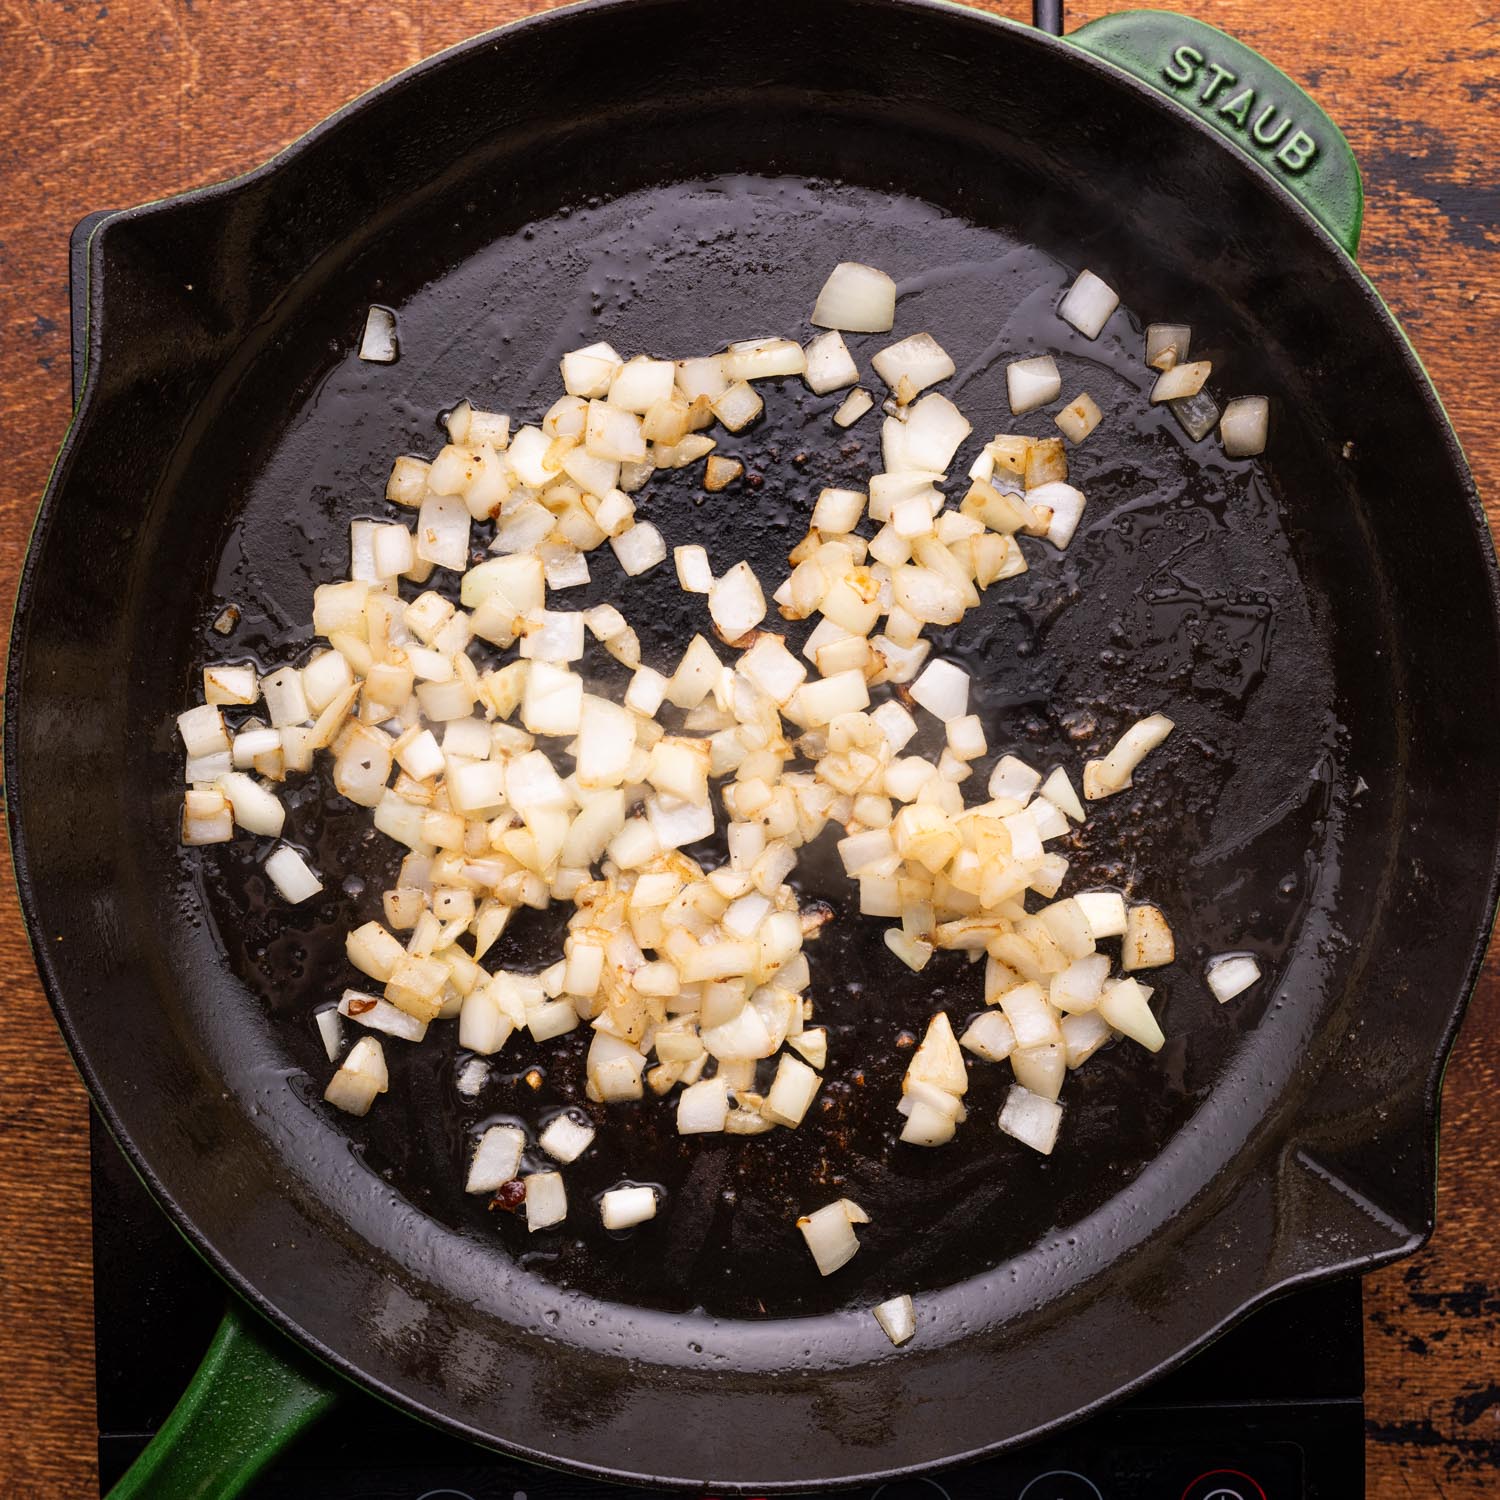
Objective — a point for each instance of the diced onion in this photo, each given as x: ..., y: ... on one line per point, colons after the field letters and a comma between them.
x: 566, y: 1137
x: 1013, y: 780
x: 1066, y: 507
x: 927, y: 1125
x: 838, y: 511
x: 546, y: 1200
x: 1243, y: 426
x: 639, y: 548
x: 719, y: 473
x: 1031, y: 383
x: 227, y: 685
x: 830, y: 366
x: 443, y: 532
x: 331, y: 1031
x: 989, y: 1036
x: 1079, y: 417
x: 1148, y: 940
x: 897, y: 1318
x: 291, y: 875
x: 1125, y: 1006
x: 812, y: 1043
x: 938, y: 1060
x: 856, y: 299
x: 378, y: 344
x: 912, y: 364
x: 1104, y: 911
x: 1103, y: 778
x: 641, y: 382
x: 589, y: 372
x: 380, y: 1015
x: 1167, y: 344
x: 763, y: 359
x: 934, y: 430
x: 255, y: 809
x: 792, y: 1092
x: 1084, y: 1034
x: 1231, y: 974
x: 853, y: 407
x: 694, y: 979
x: 702, y: 377
x: 1058, y: 790
x: 1196, y: 415
x: 703, y: 1107
x: 1041, y: 1069
x: 496, y: 1159
x: 625, y: 1207
x: 1088, y: 304
x: 829, y: 1232
x: 1181, y: 381
x: 943, y: 690
x: 202, y: 730
x: 472, y: 1077
x: 736, y: 602
x: 361, y: 1077
x: 1032, y: 1120
x: 738, y: 406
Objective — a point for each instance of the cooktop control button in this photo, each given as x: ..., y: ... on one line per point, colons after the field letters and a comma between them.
x: 1224, y: 1484
x: 1061, y: 1484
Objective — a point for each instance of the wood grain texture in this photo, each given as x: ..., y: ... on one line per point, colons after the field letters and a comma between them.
x: 111, y: 102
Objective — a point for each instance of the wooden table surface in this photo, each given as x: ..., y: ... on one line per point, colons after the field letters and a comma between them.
x: 111, y: 102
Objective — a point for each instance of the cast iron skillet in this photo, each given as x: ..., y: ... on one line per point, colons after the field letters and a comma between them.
x: 667, y: 174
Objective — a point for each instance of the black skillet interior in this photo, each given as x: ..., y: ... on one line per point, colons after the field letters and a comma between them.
x: 1322, y: 630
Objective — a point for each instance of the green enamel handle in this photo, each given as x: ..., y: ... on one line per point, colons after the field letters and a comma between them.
x: 248, y: 1399
x: 1247, y: 100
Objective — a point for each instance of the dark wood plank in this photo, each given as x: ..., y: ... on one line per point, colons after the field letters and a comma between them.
x: 112, y: 103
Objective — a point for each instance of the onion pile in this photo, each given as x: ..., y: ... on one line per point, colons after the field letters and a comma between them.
x: 462, y: 717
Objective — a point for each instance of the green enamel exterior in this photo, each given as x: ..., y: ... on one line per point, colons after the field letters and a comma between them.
x: 1247, y: 100
x: 249, y: 1398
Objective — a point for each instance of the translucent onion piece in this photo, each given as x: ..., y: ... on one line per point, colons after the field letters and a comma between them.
x: 625, y: 1207
x: 1088, y: 304
x: 897, y: 1318
x: 1231, y: 974
x: 1242, y: 428
x: 856, y: 299
x: 1031, y: 383
x: 1032, y: 1120
x: 378, y: 344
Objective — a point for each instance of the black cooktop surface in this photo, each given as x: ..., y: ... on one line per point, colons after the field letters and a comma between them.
x: 1272, y: 1411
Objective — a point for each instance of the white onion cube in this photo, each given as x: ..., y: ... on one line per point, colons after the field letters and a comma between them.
x: 1030, y: 1119
x: 857, y: 299
x: 625, y: 1207
x: 497, y: 1158
x: 943, y: 690
x: 897, y: 1318
x: 291, y: 875
x: 1088, y: 304
x: 639, y: 548
x: 546, y: 1200
x: 1231, y: 974
x: 1031, y: 383
x: 1243, y: 426
x: 378, y: 343
x: 830, y: 366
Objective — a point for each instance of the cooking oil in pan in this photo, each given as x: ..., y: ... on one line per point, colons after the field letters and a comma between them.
x: 1181, y: 592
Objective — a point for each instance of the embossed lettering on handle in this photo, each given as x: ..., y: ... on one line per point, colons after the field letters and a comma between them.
x: 1266, y: 126
x: 1243, y: 98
